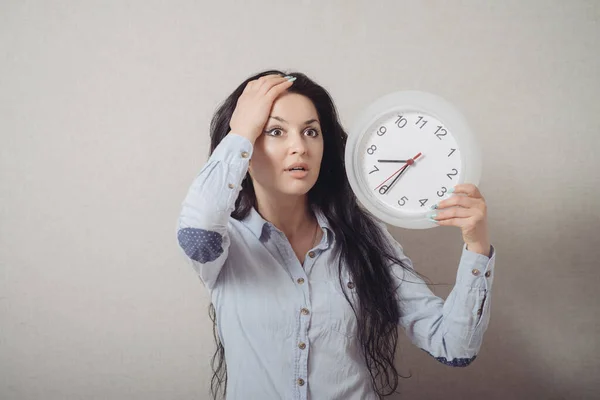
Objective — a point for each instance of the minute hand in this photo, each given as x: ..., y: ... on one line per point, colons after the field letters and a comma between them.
x: 411, y: 161
x: 395, y: 179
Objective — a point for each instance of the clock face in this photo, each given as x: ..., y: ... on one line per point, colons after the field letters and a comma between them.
x: 408, y: 160
x: 404, y: 154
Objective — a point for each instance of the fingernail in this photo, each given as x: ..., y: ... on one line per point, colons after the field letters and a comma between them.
x: 432, y: 215
x: 434, y: 207
x: 433, y: 220
x: 451, y: 190
x: 290, y: 78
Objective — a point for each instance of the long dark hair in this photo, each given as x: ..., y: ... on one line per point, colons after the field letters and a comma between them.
x: 360, y: 244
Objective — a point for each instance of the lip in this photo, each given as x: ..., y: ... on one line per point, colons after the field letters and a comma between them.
x: 297, y: 174
x: 295, y: 165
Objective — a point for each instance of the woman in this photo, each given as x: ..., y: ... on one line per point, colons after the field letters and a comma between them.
x: 307, y: 287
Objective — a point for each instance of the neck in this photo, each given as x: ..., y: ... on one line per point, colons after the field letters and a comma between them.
x: 290, y: 214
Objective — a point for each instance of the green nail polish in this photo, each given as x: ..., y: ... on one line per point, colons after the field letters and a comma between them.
x: 451, y: 190
x: 432, y: 215
x: 434, y: 207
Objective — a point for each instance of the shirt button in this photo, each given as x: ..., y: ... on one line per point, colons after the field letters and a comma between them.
x: 304, y: 311
x: 475, y: 271
x: 231, y: 186
x: 300, y: 281
x: 300, y: 382
x: 488, y: 274
x: 350, y: 285
x: 311, y: 254
x: 302, y: 345
x: 244, y: 154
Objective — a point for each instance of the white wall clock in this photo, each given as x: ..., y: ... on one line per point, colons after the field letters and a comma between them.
x: 405, y: 152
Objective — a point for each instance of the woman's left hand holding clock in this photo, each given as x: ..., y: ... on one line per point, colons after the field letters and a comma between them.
x: 469, y: 213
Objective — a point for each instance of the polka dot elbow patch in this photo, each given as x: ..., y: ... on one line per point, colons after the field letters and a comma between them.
x: 200, y: 245
x: 455, y: 362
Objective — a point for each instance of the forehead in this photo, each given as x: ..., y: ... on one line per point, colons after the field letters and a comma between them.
x: 294, y: 108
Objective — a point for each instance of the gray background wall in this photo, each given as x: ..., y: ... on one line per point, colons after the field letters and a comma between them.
x: 104, y: 112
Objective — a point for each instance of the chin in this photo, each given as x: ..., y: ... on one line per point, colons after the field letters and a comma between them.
x: 297, y: 188
x: 295, y: 192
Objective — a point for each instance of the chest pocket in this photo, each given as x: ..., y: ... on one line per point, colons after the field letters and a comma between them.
x: 341, y: 316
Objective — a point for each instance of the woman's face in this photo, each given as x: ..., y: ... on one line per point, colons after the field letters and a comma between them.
x: 291, y: 137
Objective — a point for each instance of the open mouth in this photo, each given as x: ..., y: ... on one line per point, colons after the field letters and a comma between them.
x: 297, y: 169
x: 297, y: 172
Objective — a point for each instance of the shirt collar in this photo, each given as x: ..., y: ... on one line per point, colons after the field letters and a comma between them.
x: 262, y: 228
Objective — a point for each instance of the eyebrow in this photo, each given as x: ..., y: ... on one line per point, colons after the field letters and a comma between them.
x: 310, y: 121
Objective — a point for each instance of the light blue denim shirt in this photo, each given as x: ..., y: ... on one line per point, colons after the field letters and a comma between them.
x: 287, y: 329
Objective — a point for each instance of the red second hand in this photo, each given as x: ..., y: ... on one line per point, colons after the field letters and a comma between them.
x: 408, y: 162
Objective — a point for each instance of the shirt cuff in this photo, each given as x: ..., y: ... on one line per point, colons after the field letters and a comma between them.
x: 232, y: 149
x: 476, y: 270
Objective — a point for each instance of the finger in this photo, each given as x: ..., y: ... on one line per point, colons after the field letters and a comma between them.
x: 457, y: 212
x: 469, y: 189
x: 457, y: 201
x: 460, y: 222
x: 278, y: 87
x: 255, y: 84
x: 268, y: 81
x: 250, y: 86
x: 266, y: 78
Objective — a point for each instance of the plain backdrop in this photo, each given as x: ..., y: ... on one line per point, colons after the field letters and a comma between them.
x: 104, y: 115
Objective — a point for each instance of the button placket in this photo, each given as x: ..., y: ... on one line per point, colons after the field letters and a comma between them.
x: 310, y: 259
x: 342, y: 319
x: 302, y: 368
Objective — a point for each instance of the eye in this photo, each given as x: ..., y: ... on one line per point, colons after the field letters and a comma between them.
x: 315, y: 132
x: 272, y: 132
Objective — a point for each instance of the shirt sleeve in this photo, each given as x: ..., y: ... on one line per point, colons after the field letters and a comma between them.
x: 450, y: 331
x: 202, y: 224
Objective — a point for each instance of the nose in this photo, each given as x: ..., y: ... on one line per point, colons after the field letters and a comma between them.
x: 297, y: 143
